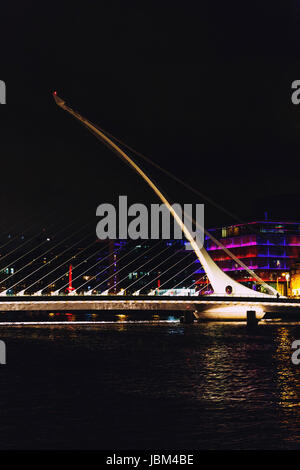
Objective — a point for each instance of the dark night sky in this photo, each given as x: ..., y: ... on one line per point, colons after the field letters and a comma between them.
x: 204, y: 90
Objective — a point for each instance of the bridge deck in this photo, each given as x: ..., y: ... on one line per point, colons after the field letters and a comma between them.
x: 213, y: 307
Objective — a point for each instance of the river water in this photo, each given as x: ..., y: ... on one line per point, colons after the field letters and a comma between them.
x: 149, y: 384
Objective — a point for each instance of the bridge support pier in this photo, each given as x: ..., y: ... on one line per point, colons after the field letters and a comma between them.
x: 251, y: 318
x: 188, y: 317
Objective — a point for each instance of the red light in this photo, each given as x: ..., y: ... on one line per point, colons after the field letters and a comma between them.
x: 55, y: 93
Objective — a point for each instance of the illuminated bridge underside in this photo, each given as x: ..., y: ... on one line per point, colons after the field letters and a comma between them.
x: 206, y: 308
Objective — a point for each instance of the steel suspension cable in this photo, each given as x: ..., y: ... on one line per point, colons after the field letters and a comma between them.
x: 122, y: 257
x: 178, y: 272
x: 164, y: 272
x: 17, y: 236
x: 178, y: 180
x: 35, y: 248
x: 48, y: 262
x: 152, y: 269
x: 142, y: 265
x: 90, y: 267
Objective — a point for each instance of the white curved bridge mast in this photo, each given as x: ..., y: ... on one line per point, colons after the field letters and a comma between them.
x: 221, y: 283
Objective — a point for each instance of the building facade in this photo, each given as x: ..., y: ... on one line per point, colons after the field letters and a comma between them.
x: 269, y: 248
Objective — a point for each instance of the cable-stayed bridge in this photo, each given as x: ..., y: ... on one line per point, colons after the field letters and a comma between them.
x: 203, y: 308
x: 40, y: 282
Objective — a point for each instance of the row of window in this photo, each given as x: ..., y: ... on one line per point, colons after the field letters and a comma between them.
x: 252, y: 240
x: 263, y: 227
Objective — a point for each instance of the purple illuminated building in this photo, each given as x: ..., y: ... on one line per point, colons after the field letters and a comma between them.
x: 269, y: 248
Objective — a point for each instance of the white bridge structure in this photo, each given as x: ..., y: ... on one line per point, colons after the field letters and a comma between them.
x: 221, y: 283
x: 230, y: 299
x: 203, y: 308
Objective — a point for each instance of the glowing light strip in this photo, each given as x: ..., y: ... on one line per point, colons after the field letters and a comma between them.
x: 116, y: 322
x: 257, y: 222
x: 215, y: 247
x: 285, y: 268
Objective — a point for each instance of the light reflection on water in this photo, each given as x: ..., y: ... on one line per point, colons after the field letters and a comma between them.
x: 154, y: 383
